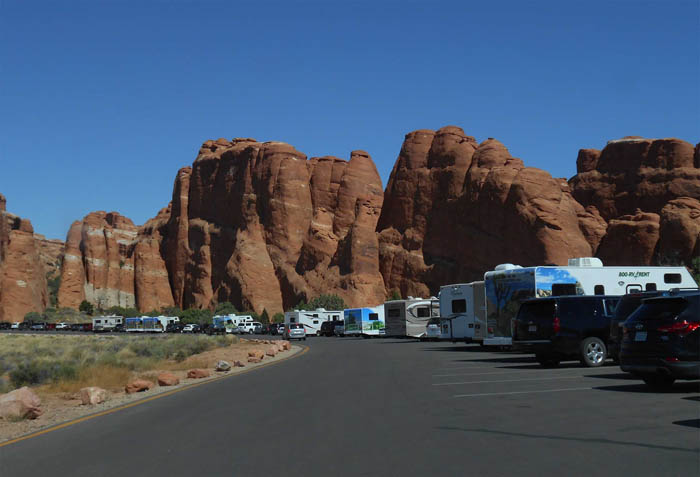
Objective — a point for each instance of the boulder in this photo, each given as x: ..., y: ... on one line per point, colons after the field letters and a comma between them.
x: 137, y: 386
x: 287, y: 345
x: 198, y: 373
x: 238, y: 364
x: 93, y: 395
x: 271, y: 351
x: 254, y: 359
x: 256, y: 353
x: 168, y: 379
x: 223, y: 366
x: 21, y: 403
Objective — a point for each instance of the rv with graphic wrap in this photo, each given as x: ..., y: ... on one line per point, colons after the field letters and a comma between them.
x: 311, y: 319
x: 242, y: 323
x: 149, y: 324
x: 509, y: 285
x: 462, y: 307
x: 409, y: 317
x: 364, y: 322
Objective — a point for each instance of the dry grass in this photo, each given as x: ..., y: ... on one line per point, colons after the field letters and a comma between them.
x: 65, y: 363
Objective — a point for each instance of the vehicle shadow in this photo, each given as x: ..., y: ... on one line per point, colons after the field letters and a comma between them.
x: 688, y: 423
x: 565, y: 365
x: 677, y: 388
x: 616, y: 376
x: 458, y: 348
x: 692, y: 398
x: 515, y: 359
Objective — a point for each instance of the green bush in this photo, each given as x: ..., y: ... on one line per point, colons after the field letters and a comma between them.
x: 329, y: 302
x: 32, y: 316
x: 86, y: 307
x: 37, y: 372
x: 225, y: 308
x: 278, y: 317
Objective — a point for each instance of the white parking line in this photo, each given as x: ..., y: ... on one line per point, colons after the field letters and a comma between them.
x: 507, y: 381
x: 521, y: 392
x: 519, y: 371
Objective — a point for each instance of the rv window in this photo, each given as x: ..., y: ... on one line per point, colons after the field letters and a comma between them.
x: 315, y: 322
x: 292, y: 320
x: 459, y: 306
x: 98, y: 321
x: 422, y: 312
x: 315, y: 315
x: 373, y: 316
x: 599, y: 290
x: 672, y: 277
x: 651, y: 287
x: 561, y: 289
x: 394, y: 312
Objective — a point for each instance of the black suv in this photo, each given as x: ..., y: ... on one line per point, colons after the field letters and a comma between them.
x: 661, y: 341
x: 565, y: 327
x: 328, y: 328
x: 628, y: 303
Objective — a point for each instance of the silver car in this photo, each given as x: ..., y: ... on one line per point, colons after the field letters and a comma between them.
x: 294, y: 331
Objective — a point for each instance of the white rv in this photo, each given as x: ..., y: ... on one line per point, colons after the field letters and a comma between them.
x: 365, y: 322
x: 244, y: 323
x: 311, y: 319
x: 462, y: 306
x: 509, y: 285
x: 106, y: 323
x: 409, y: 317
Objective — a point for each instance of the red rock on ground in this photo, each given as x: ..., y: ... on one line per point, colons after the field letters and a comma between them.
x: 198, y: 373
x: 168, y: 379
x: 256, y: 353
x: 21, y: 403
x: 254, y: 359
x: 271, y: 351
x: 137, y: 386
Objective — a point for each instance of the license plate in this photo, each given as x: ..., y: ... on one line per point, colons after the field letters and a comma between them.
x: 640, y: 336
x: 532, y: 328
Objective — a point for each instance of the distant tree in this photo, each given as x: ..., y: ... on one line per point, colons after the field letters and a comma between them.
x: 53, y: 284
x: 264, y: 317
x: 395, y: 295
x: 197, y: 316
x: 171, y: 311
x: 278, y: 317
x: 154, y: 313
x: 32, y: 316
x: 329, y: 302
x: 225, y: 308
x: 86, y: 307
x: 121, y: 311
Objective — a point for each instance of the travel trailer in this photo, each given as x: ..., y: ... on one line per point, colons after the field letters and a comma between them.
x: 245, y: 323
x: 311, y: 319
x: 364, y: 322
x: 133, y: 325
x: 462, y: 307
x: 106, y: 323
x: 509, y: 285
x: 409, y: 317
x: 149, y: 324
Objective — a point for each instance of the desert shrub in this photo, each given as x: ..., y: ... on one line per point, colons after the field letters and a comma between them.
x: 32, y: 316
x: 37, y: 372
x: 86, y: 307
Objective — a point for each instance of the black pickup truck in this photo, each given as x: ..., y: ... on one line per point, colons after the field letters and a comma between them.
x: 565, y: 327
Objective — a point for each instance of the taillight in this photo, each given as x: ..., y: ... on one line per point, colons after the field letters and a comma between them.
x: 682, y: 328
x: 556, y: 325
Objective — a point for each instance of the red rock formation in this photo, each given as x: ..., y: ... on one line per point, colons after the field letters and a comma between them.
x: 647, y: 191
x: 454, y: 209
x: 22, y: 275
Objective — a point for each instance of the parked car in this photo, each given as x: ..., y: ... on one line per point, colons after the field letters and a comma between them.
x: 190, y: 328
x: 339, y: 329
x: 257, y: 327
x: 432, y: 331
x: 628, y: 303
x: 38, y: 327
x: 5, y: 325
x: 62, y: 326
x: 661, y: 340
x: 295, y: 331
x: 119, y: 328
x: 15, y: 325
x: 175, y: 327
x: 565, y: 327
x: 328, y: 328
x: 265, y: 329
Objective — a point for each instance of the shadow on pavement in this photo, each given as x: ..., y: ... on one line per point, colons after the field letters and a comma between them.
x: 617, y: 376
x: 519, y: 359
x: 692, y: 398
x: 677, y: 388
x: 689, y: 423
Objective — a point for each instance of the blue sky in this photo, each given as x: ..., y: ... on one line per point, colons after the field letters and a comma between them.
x: 102, y: 102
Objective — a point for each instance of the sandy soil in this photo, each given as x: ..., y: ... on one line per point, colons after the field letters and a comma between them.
x: 62, y: 407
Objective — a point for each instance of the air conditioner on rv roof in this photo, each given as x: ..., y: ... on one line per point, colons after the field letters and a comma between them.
x: 585, y: 262
x: 506, y: 266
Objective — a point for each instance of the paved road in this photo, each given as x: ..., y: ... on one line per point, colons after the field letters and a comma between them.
x: 387, y: 407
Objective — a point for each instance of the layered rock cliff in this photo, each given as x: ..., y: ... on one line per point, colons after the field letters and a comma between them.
x: 647, y: 191
x: 22, y: 274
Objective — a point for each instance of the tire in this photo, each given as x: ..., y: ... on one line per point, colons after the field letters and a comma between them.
x: 659, y: 382
x: 593, y: 352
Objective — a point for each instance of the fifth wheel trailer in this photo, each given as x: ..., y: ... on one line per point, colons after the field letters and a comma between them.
x: 409, y: 317
x: 509, y: 285
x: 462, y: 308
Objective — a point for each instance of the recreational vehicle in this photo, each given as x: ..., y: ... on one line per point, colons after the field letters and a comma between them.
x: 134, y: 324
x: 409, y: 317
x: 311, y: 319
x: 364, y: 322
x: 461, y: 308
x: 106, y: 323
x: 509, y: 285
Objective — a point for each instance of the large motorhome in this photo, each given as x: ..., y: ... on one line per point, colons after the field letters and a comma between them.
x: 509, y: 285
x: 106, y: 323
x: 149, y: 324
x: 409, y: 317
x: 462, y: 306
x: 311, y: 319
x: 364, y: 321
x: 243, y: 322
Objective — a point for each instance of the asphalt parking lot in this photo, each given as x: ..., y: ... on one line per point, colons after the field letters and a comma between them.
x: 350, y: 406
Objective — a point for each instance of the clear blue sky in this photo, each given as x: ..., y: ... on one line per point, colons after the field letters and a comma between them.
x: 102, y: 102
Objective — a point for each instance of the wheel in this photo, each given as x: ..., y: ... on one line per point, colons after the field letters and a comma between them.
x: 547, y: 361
x: 304, y: 339
x: 660, y: 382
x: 593, y: 352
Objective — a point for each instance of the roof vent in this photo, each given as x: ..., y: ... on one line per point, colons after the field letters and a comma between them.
x: 585, y: 262
x: 506, y: 266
